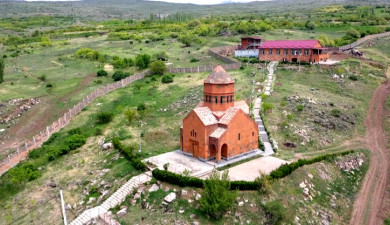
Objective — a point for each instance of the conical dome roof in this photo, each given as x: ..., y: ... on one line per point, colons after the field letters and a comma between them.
x: 219, y: 76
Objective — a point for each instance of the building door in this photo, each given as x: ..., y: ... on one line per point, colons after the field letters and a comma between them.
x: 294, y: 60
x: 213, y: 151
x: 195, y: 149
x: 224, y: 151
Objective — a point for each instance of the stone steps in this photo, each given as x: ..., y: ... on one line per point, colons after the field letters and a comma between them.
x: 115, y: 199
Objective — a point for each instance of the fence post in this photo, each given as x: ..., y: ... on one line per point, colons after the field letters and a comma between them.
x: 47, y: 130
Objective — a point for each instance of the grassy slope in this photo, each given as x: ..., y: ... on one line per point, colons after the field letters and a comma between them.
x: 329, y: 183
x: 346, y: 97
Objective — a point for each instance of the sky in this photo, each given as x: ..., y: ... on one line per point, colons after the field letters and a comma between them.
x: 207, y: 2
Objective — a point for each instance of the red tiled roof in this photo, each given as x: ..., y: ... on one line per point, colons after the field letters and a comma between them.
x: 242, y: 105
x: 229, y: 115
x: 206, y: 116
x: 289, y: 44
x: 217, y: 133
x: 219, y: 76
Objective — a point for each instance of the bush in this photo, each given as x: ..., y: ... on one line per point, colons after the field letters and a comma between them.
x: 275, y: 212
x: 98, y: 131
x: 75, y: 141
x: 167, y: 79
x: 104, y: 117
x: 42, y: 78
x: 119, y: 75
x: 217, y: 197
x: 194, y: 60
x: 141, y: 106
x: 142, y: 61
x: 74, y: 131
x: 101, y: 73
x: 49, y: 85
x: 23, y: 173
x: 300, y: 108
x: 157, y: 67
x: 335, y: 112
x: 130, y: 114
x: 266, y: 106
x: 353, y: 77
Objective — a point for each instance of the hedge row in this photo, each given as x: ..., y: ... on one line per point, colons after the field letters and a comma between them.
x: 188, y: 181
x: 287, y: 169
x: 282, y: 171
x: 128, y: 153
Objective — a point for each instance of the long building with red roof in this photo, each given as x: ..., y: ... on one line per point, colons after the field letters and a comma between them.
x: 282, y: 50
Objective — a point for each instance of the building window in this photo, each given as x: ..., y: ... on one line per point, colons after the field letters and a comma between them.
x: 306, y: 51
x: 239, y: 136
x: 285, y: 51
x: 232, y: 98
x: 278, y: 51
x: 253, y: 133
x: 193, y: 133
x: 262, y: 51
x: 270, y: 52
x: 216, y: 99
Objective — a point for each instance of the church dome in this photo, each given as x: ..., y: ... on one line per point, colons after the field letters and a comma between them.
x: 219, y: 76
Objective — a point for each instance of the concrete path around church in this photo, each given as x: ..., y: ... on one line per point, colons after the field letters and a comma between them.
x: 179, y: 162
x: 249, y: 171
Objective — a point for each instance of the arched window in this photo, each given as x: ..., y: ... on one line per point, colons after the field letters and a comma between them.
x: 239, y: 136
x: 253, y: 134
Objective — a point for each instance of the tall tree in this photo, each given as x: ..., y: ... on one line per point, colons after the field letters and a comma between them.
x: 1, y: 70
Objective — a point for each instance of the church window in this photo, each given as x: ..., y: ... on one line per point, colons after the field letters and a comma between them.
x: 239, y: 136
x: 253, y: 134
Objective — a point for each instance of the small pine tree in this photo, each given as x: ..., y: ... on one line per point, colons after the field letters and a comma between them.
x: 130, y: 114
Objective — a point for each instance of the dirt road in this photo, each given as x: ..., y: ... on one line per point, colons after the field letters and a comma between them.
x: 369, y: 206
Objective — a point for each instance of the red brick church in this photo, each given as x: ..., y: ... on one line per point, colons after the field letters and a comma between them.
x: 219, y: 127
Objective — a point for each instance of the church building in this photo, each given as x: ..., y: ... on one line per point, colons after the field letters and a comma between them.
x: 219, y: 127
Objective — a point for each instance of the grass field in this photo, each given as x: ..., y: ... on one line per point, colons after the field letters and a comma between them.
x: 316, y: 111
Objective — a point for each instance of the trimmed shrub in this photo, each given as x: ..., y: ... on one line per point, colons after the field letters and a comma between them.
x: 136, y: 162
x: 104, y: 117
x: 167, y: 79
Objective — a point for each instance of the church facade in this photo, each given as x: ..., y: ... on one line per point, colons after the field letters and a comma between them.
x: 219, y: 127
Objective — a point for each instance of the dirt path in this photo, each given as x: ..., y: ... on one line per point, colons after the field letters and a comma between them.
x: 369, y: 205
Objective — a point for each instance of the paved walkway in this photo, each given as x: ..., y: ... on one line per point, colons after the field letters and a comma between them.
x: 115, y: 199
x: 270, y: 78
x: 262, y: 133
x: 249, y: 171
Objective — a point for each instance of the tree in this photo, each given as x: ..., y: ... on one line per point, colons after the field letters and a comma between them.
x: 188, y: 39
x: 158, y: 67
x: 310, y: 25
x: 353, y: 33
x: 101, y: 73
x: 46, y: 41
x: 104, y: 117
x: 217, y: 197
x: 275, y: 212
x: 1, y: 71
x: 142, y: 61
x: 161, y: 56
x: 129, y: 114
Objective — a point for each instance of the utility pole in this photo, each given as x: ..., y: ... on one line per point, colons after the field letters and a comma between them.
x: 63, y: 208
